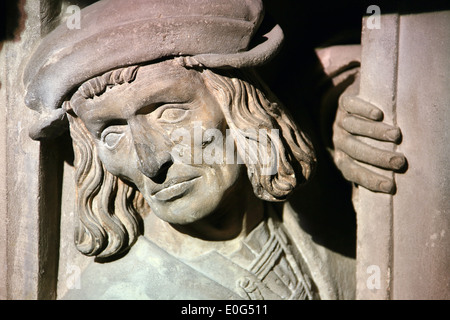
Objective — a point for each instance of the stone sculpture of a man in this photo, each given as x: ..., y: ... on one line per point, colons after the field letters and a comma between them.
x: 147, y: 86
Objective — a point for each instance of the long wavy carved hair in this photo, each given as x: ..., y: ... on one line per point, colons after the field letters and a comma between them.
x: 248, y: 104
x: 110, y: 209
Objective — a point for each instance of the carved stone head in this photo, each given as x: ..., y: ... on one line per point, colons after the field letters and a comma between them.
x: 151, y: 89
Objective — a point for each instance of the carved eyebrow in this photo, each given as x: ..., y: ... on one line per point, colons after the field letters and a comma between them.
x: 113, y: 122
x: 146, y: 109
x: 140, y: 100
x: 101, y: 115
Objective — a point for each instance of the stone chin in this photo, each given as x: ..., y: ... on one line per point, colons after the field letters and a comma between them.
x: 193, y: 197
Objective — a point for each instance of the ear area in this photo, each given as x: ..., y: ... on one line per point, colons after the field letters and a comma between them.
x: 107, y: 207
x: 248, y: 106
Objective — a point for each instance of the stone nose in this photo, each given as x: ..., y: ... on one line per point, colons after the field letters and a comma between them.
x: 152, y: 147
x: 153, y: 163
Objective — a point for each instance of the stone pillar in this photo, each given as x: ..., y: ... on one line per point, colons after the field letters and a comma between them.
x: 405, y: 72
x: 29, y: 175
x: 421, y: 225
x: 375, y: 210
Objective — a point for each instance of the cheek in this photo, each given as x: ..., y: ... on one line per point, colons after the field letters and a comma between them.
x: 121, y: 161
x: 224, y: 177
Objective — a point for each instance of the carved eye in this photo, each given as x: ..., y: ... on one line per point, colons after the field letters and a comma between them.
x: 172, y: 114
x: 111, y: 136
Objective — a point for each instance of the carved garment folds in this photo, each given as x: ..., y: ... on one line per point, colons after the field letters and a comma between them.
x: 266, y: 266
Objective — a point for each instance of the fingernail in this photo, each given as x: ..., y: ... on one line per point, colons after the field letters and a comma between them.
x: 397, y: 162
x: 393, y: 135
x: 376, y: 114
x: 387, y: 186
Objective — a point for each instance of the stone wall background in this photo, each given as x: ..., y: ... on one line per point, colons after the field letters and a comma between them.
x: 31, y: 210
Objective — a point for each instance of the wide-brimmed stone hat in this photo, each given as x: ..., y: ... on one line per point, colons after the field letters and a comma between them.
x: 117, y: 33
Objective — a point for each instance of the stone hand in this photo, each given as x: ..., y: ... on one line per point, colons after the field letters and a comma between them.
x: 358, y: 118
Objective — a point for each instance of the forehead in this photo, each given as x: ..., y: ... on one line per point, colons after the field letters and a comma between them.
x: 163, y: 82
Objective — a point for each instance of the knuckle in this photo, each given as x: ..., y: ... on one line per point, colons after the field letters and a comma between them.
x: 346, y: 121
x: 339, y: 159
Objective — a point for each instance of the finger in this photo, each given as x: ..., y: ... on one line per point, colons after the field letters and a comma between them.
x: 364, y: 177
x: 371, y: 155
x: 376, y: 130
x: 358, y: 106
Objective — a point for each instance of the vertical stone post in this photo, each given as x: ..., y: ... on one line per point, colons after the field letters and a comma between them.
x: 403, y: 240
x: 421, y: 225
x: 374, y: 210
x: 29, y: 176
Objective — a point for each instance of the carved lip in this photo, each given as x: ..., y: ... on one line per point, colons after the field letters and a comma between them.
x: 173, y: 188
